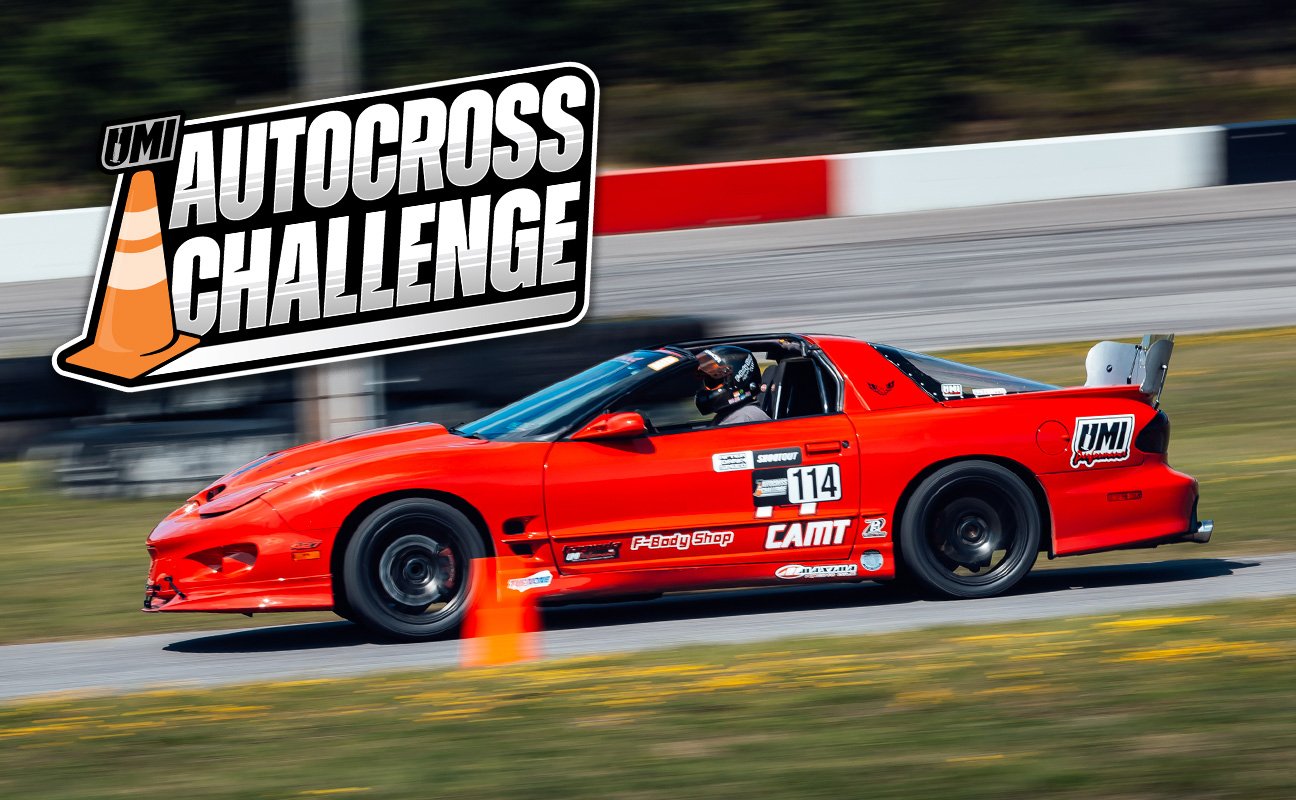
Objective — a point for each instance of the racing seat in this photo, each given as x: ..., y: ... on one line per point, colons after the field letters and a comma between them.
x: 792, y: 389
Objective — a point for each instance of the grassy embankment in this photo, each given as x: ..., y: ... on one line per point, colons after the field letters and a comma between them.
x: 76, y: 568
x: 1185, y: 703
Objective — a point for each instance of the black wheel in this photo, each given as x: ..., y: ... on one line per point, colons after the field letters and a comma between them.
x: 407, y: 569
x: 971, y: 529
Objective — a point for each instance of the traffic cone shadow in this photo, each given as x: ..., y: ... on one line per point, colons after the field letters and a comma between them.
x: 136, y: 331
x: 502, y: 625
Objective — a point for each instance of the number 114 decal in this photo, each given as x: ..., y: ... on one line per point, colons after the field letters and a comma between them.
x: 814, y: 484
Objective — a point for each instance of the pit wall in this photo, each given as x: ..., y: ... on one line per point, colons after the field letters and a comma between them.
x: 923, y: 179
x: 65, y: 244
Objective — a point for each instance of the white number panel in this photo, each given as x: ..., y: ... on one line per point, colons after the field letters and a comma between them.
x: 814, y: 484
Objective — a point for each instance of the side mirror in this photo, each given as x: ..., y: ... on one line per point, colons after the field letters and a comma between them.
x: 625, y: 425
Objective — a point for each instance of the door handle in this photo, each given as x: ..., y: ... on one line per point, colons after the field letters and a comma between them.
x: 820, y: 448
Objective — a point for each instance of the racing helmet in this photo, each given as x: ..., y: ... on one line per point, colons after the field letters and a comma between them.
x: 730, y: 378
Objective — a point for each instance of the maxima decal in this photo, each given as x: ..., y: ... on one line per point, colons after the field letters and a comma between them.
x: 793, y: 571
x: 815, y: 534
x: 682, y: 541
x: 874, y: 528
x: 1099, y: 439
x: 535, y: 581
x: 360, y: 225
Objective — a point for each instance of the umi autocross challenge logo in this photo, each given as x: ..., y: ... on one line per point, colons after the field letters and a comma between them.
x: 354, y: 226
x: 1098, y: 439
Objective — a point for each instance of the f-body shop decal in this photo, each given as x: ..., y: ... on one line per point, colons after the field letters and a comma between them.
x: 682, y: 541
x: 1099, y: 439
x: 353, y: 226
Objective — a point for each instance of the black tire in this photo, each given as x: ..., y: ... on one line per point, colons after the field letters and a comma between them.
x: 408, y: 567
x: 971, y: 529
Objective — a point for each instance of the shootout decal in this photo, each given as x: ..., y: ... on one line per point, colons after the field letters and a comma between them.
x: 682, y: 541
x: 353, y: 226
x: 1099, y: 439
x: 790, y: 572
x: 819, y: 533
x: 782, y: 457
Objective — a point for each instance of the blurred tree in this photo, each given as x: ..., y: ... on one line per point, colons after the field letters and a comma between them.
x: 63, y: 75
x: 684, y: 78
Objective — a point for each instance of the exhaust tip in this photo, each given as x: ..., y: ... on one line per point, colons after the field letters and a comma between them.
x: 1203, y: 533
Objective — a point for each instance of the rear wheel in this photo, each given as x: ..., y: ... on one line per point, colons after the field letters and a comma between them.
x: 971, y: 529
x: 408, y: 567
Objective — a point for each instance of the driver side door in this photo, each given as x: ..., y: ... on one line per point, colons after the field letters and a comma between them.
x: 781, y: 491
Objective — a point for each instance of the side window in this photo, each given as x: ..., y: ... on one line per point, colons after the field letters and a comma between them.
x: 667, y: 403
x: 797, y: 387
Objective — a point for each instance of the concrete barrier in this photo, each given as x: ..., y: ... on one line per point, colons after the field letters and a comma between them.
x: 1261, y: 152
x: 44, y: 245
x: 1017, y: 172
x: 61, y: 244
x: 704, y: 195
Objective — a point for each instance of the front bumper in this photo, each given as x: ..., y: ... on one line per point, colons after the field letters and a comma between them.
x: 245, y: 561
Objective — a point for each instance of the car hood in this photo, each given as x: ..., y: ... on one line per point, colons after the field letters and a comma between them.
x: 285, y: 464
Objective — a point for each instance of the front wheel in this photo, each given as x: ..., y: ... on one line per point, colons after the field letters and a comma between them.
x: 408, y: 567
x: 971, y: 529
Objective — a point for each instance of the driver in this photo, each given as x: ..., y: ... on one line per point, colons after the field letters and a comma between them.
x: 730, y: 382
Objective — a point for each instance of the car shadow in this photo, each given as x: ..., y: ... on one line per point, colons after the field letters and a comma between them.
x: 723, y: 603
x: 281, y: 638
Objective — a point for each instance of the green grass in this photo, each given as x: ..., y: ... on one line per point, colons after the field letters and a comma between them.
x: 1190, y: 703
x: 76, y: 568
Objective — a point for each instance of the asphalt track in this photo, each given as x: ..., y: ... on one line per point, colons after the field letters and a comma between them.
x: 324, y: 650
x: 1194, y: 260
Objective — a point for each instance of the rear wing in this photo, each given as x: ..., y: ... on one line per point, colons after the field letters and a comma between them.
x: 1144, y: 364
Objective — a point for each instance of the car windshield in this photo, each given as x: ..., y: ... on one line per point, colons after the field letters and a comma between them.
x: 548, y: 413
x: 950, y: 380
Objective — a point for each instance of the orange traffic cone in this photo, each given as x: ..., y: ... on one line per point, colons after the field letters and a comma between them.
x: 502, y: 621
x: 136, y: 331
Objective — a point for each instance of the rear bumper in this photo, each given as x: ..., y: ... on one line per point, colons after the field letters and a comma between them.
x: 1111, y: 509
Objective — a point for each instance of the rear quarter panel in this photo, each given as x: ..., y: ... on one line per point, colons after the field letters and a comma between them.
x: 904, y: 436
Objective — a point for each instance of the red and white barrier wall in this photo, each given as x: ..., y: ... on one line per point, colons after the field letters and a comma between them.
x: 60, y: 244
x: 891, y: 181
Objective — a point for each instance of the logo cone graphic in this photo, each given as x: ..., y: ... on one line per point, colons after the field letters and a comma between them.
x: 136, y: 329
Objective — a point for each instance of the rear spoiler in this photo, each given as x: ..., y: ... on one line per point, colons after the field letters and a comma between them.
x: 1144, y: 364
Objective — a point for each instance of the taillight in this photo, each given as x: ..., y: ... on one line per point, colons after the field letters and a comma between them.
x: 1155, y: 436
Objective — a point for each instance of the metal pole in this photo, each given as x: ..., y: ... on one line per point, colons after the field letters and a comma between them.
x: 344, y: 397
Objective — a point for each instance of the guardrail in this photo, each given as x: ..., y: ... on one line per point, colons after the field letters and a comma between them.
x: 59, y: 244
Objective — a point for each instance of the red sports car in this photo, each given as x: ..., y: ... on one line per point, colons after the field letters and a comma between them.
x: 851, y: 462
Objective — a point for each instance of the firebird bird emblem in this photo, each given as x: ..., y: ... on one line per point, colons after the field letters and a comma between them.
x: 890, y: 385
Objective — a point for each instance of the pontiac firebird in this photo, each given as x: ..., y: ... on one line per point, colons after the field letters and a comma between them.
x: 877, y: 463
